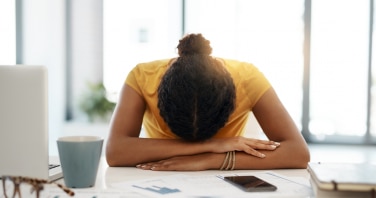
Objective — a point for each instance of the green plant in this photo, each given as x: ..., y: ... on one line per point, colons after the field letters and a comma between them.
x: 95, y: 103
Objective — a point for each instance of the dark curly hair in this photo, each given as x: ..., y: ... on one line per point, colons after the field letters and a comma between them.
x: 196, y: 95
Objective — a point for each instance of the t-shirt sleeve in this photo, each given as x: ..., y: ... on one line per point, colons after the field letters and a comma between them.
x: 255, y: 84
x: 133, y: 78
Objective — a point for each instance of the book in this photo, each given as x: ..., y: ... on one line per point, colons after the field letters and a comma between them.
x: 320, y: 193
x: 343, y: 178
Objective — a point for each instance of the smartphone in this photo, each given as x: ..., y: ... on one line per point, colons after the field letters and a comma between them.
x: 250, y: 183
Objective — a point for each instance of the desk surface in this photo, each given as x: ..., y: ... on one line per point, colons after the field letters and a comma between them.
x: 108, y: 176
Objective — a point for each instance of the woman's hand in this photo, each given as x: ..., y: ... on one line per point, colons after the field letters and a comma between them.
x: 197, y: 162
x: 248, y: 145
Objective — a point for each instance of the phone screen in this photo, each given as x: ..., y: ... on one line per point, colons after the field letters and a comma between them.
x: 250, y: 183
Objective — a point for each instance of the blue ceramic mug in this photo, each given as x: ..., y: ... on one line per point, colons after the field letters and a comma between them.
x: 79, y: 158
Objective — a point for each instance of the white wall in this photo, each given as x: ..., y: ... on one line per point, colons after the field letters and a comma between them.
x: 7, y: 33
x: 86, y: 49
x: 45, y: 44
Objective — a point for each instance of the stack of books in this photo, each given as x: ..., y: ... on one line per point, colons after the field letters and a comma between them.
x: 343, y: 180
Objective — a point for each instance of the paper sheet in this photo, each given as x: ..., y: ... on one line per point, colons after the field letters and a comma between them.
x: 181, y: 185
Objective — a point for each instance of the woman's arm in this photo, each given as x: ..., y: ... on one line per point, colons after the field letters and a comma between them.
x: 277, y: 125
x: 125, y: 148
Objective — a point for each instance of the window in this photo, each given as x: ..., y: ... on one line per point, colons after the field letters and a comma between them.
x: 268, y: 34
x: 372, y: 81
x: 339, y: 70
x: 135, y: 33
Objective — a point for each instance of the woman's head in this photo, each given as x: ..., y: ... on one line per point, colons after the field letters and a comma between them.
x: 196, y: 95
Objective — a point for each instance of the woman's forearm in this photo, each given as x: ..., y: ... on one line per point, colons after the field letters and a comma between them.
x: 131, y: 151
x: 287, y: 155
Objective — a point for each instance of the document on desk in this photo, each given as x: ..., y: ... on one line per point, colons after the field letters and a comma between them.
x: 181, y: 185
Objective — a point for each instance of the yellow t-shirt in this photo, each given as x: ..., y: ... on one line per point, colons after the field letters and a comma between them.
x: 249, y: 82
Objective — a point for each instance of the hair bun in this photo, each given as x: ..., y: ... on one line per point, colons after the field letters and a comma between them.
x: 194, y: 44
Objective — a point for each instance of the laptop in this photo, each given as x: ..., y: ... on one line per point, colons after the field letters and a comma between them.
x: 24, y: 123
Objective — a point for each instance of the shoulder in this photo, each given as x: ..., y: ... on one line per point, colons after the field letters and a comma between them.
x: 147, y: 75
x: 240, y: 69
x: 248, y: 79
x: 236, y: 64
x: 147, y: 70
x: 153, y: 66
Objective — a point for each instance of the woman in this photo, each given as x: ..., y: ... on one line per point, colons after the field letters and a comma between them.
x: 194, y: 109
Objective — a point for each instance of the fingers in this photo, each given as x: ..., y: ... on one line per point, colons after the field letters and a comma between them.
x: 254, y: 153
x: 252, y: 146
x: 263, y: 144
x: 149, y: 166
x: 166, y: 165
x: 171, y: 164
x: 260, y: 144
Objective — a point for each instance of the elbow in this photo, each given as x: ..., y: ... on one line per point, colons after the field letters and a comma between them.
x: 119, y: 155
x: 111, y: 159
x: 111, y: 163
x: 116, y: 158
x: 298, y: 157
x: 302, y: 159
x: 307, y: 157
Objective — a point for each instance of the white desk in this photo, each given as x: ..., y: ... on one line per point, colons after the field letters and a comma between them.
x: 117, y: 182
x: 108, y: 176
